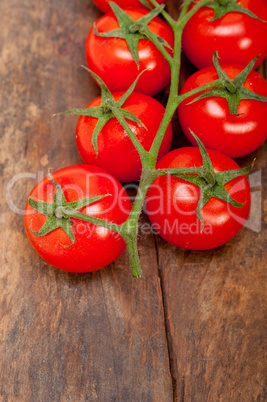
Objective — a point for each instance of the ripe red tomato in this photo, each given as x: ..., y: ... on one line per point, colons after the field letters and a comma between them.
x: 171, y: 203
x: 237, y: 37
x: 110, y: 58
x: 212, y: 122
x: 94, y: 246
x: 116, y: 153
x: 105, y: 7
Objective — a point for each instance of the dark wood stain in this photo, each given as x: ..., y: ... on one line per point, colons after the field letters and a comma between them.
x: 193, y: 328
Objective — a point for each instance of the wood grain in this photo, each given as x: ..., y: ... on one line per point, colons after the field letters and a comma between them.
x: 193, y: 328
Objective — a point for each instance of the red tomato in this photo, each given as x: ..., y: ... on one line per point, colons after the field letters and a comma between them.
x: 105, y: 7
x: 237, y: 37
x: 212, y: 122
x: 116, y: 153
x: 110, y: 58
x: 171, y: 203
x: 94, y: 246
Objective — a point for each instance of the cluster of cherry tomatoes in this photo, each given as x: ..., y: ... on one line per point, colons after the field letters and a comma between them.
x: 61, y: 237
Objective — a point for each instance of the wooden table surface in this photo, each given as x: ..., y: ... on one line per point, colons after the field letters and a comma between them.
x: 193, y: 328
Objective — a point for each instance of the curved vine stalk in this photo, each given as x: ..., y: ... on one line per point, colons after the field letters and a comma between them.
x: 129, y: 228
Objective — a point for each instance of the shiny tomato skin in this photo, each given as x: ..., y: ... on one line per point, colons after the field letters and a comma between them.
x: 212, y: 122
x: 237, y: 37
x: 95, y: 246
x: 116, y: 153
x: 171, y: 203
x: 105, y: 7
x: 111, y: 59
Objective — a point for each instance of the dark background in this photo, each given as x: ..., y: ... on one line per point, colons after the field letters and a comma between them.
x: 193, y: 328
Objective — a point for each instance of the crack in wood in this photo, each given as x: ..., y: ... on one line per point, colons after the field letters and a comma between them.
x: 166, y: 325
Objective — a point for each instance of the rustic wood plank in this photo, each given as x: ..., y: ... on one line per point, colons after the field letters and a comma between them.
x: 64, y: 337
x: 215, y: 302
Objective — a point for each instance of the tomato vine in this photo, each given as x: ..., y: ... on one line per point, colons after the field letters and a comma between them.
x: 210, y: 182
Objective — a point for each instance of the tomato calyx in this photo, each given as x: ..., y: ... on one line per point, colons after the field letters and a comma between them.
x: 232, y: 90
x: 222, y: 7
x: 211, y: 183
x: 109, y: 109
x: 132, y: 31
x: 59, y: 212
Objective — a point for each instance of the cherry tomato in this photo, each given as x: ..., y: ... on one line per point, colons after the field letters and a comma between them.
x: 110, y: 58
x: 94, y: 246
x: 237, y: 37
x: 116, y: 153
x: 105, y: 7
x: 171, y: 203
x: 212, y: 122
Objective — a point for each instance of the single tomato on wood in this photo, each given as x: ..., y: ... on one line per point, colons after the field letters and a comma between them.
x: 67, y: 242
x: 116, y: 152
x: 237, y: 37
x: 171, y: 203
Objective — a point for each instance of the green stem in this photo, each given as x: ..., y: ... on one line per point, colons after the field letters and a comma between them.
x: 185, y: 16
x: 175, y: 64
x: 179, y: 99
x: 185, y: 8
x: 164, y: 13
x: 131, y: 244
x: 139, y: 147
x: 170, y: 109
x: 130, y: 227
x: 158, y: 45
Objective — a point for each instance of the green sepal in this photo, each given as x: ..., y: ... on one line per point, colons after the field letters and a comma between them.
x: 85, y: 201
x: 56, y: 217
x: 207, y: 167
x: 99, y: 126
x: 132, y: 31
x: 67, y: 227
x: 105, y: 92
x: 231, y: 90
x: 44, y: 208
x: 46, y: 228
x: 222, y: 8
x: 105, y: 112
x: 226, y: 82
x: 224, y: 177
x: 247, y: 94
x: 90, y: 112
x: 240, y: 79
x: 129, y: 91
x: 52, y: 224
x: 130, y: 116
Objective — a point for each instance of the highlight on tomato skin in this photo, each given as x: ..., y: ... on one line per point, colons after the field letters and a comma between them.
x: 116, y: 152
x: 236, y: 36
x: 171, y: 203
x: 93, y: 246
x: 111, y: 59
x: 105, y: 7
x: 211, y: 120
